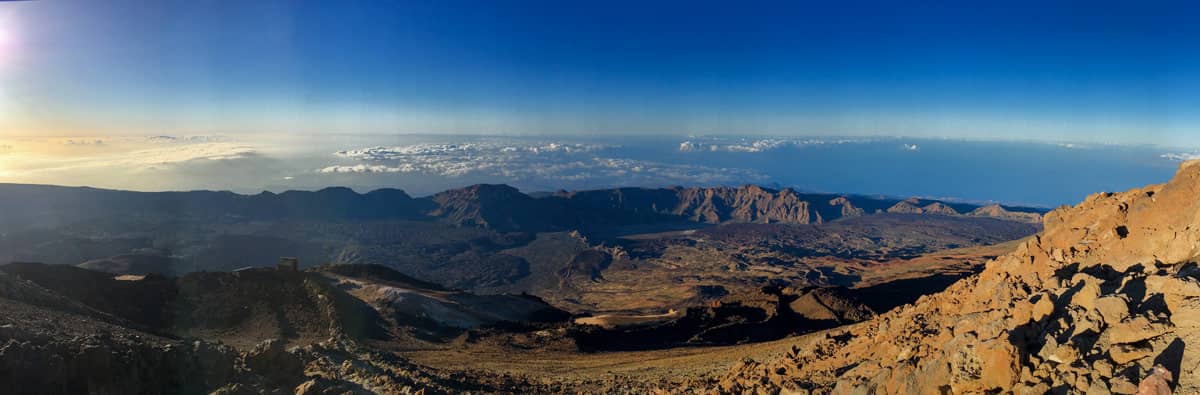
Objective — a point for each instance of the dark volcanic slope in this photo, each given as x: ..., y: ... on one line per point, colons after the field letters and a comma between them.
x: 53, y: 344
x: 149, y: 302
x: 245, y: 307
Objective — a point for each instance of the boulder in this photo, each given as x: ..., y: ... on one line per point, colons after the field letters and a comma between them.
x: 1135, y: 330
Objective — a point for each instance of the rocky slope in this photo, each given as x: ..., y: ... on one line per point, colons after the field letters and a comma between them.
x: 242, y: 308
x: 1108, y: 291
x: 428, y: 311
x: 766, y: 314
x: 46, y: 349
x: 66, y: 330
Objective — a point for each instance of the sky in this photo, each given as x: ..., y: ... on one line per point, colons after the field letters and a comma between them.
x: 1038, y: 102
x: 1090, y: 71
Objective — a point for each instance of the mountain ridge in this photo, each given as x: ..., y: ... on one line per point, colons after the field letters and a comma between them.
x: 499, y: 206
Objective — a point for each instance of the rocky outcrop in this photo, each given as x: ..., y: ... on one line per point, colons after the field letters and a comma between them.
x: 833, y: 304
x: 998, y: 211
x: 847, y: 207
x: 938, y: 208
x: 748, y: 203
x: 1110, y: 289
x: 912, y: 206
x: 909, y: 206
x: 918, y: 206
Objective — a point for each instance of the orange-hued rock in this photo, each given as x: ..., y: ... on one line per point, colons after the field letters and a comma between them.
x: 906, y: 207
x: 939, y: 208
x: 1110, y: 288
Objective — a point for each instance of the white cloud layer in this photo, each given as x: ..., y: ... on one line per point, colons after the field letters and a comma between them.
x: 1180, y: 157
x: 511, y: 161
x: 718, y: 144
x: 34, y: 158
x: 467, y: 149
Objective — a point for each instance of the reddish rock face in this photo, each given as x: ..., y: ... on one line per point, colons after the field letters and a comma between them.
x: 1105, y: 300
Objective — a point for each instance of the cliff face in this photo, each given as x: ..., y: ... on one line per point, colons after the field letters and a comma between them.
x: 491, y: 206
x: 1109, y: 290
x: 751, y: 203
x: 505, y: 208
x: 748, y: 203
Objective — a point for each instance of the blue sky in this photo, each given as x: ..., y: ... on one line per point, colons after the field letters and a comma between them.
x: 1083, y: 71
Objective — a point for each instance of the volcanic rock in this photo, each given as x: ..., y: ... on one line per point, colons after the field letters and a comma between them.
x: 998, y: 211
x: 1108, y: 290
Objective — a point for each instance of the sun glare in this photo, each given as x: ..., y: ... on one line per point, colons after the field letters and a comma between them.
x: 8, y: 39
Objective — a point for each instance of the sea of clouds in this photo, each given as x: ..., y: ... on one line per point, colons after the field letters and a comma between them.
x: 423, y: 164
x: 538, y: 162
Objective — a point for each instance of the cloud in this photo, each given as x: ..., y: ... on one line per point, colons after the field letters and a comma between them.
x: 83, y: 142
x: 186, y: 153
x: 42, y: 156
x: 168, y: 139
x: 541, y: 163
x: 170, y: 162
x: 719, y: 144
x: 381, y: 153
x: 1180, y: 157
x: 364, y: 169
